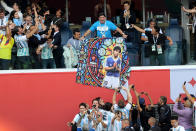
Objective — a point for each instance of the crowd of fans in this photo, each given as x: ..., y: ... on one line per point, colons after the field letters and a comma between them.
x: 119, y: 116
x: 31, y: 39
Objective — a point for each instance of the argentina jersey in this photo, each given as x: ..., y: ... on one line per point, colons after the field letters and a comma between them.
x: 117, y: 125
x: 125, y: 110
x: 84, y: 122
x: 22, y: 45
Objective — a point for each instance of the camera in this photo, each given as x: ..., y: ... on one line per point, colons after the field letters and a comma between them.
x: 93, y: 106
x: 88, y: 112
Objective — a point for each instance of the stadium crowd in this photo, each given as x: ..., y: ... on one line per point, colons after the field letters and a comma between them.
x: 121, y: 116
x: 32, y: 39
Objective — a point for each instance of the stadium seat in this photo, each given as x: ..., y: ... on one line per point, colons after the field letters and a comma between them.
x: 66, y: 33
x: 173, y: 54
x: 133, y: 48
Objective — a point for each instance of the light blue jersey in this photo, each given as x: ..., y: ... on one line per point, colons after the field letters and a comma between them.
x: 125, y: 110
x: 117, y: 125
x: 84, y: 121
x: 103, y: 30
x: 22, y: 45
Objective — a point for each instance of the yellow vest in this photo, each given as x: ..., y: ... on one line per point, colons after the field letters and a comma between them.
x: 6, y: 47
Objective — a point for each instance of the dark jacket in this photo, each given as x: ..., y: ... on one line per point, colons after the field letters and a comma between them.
x: 164, y: 114
x: 57, y: 42
x: 155, y: 128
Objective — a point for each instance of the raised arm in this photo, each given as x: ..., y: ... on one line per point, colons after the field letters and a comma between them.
x: 138, y: 28
x: 151, y: 102
x: 35, y: 11
x: 128, y: 94
x: 188, y: 10
x: 137, y: 99
x: 34, y: 30
x: 114, y: 97
x: 85, y: 34
x: 187, y: 94
x: 6, y: 7
x: 8, y: 31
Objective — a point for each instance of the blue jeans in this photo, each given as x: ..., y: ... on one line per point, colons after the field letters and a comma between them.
x: 48, y: 63
x: 4, y: 64
x: 24, y: 62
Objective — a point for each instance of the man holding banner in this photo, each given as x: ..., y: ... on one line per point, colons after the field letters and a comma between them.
x: 103, y: 28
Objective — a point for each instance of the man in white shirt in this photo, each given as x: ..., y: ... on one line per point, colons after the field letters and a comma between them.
x: 81, y: 120
x: 175, y: 125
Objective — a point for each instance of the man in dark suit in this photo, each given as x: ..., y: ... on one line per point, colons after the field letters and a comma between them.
x: 57, y: 48
x: 152, y: 123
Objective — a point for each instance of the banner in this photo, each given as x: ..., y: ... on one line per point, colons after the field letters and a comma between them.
x: 103, y: 62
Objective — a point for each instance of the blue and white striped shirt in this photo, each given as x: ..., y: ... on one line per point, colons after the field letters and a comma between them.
x: 125, y: 110
x: 117, y: 125
x: 84, y: 121
x: 22, y: 45
x: 46, y: 51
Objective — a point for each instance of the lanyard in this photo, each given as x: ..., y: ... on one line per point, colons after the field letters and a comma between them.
x: 155, y: 39
x: 126, y: 18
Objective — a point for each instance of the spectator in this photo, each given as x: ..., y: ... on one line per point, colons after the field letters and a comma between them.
x: 109, y: 115
x: 193, y: 12
x: 14, y: 17
x: 70, y: 56
x: 184, y: 112
x: 157, y: 42
x: 164, y: 114
x: 28, y: 22
x: 15, y: 7
x: 152, y: 123
x: 175, y: 125
x: 6, y: 45
x: 57, y: 48
x: 22, y: 46
x: 121, y: 105
x: 58, y: 17
x: 151, y: 24
x: 116, y: 121
x: 98, y: 124
x: 126, y: 125
x: 103, y: 28
x: 3, y: 21
x: 192, y: 100
x: 101, y: 102
x: 126, y: 19
x: 81, y: 120
x: 46, y: 55
x: 75, y: 41
x: 146, y: 111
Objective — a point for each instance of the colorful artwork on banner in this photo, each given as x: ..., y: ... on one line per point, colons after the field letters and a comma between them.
x: 103, y: 62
